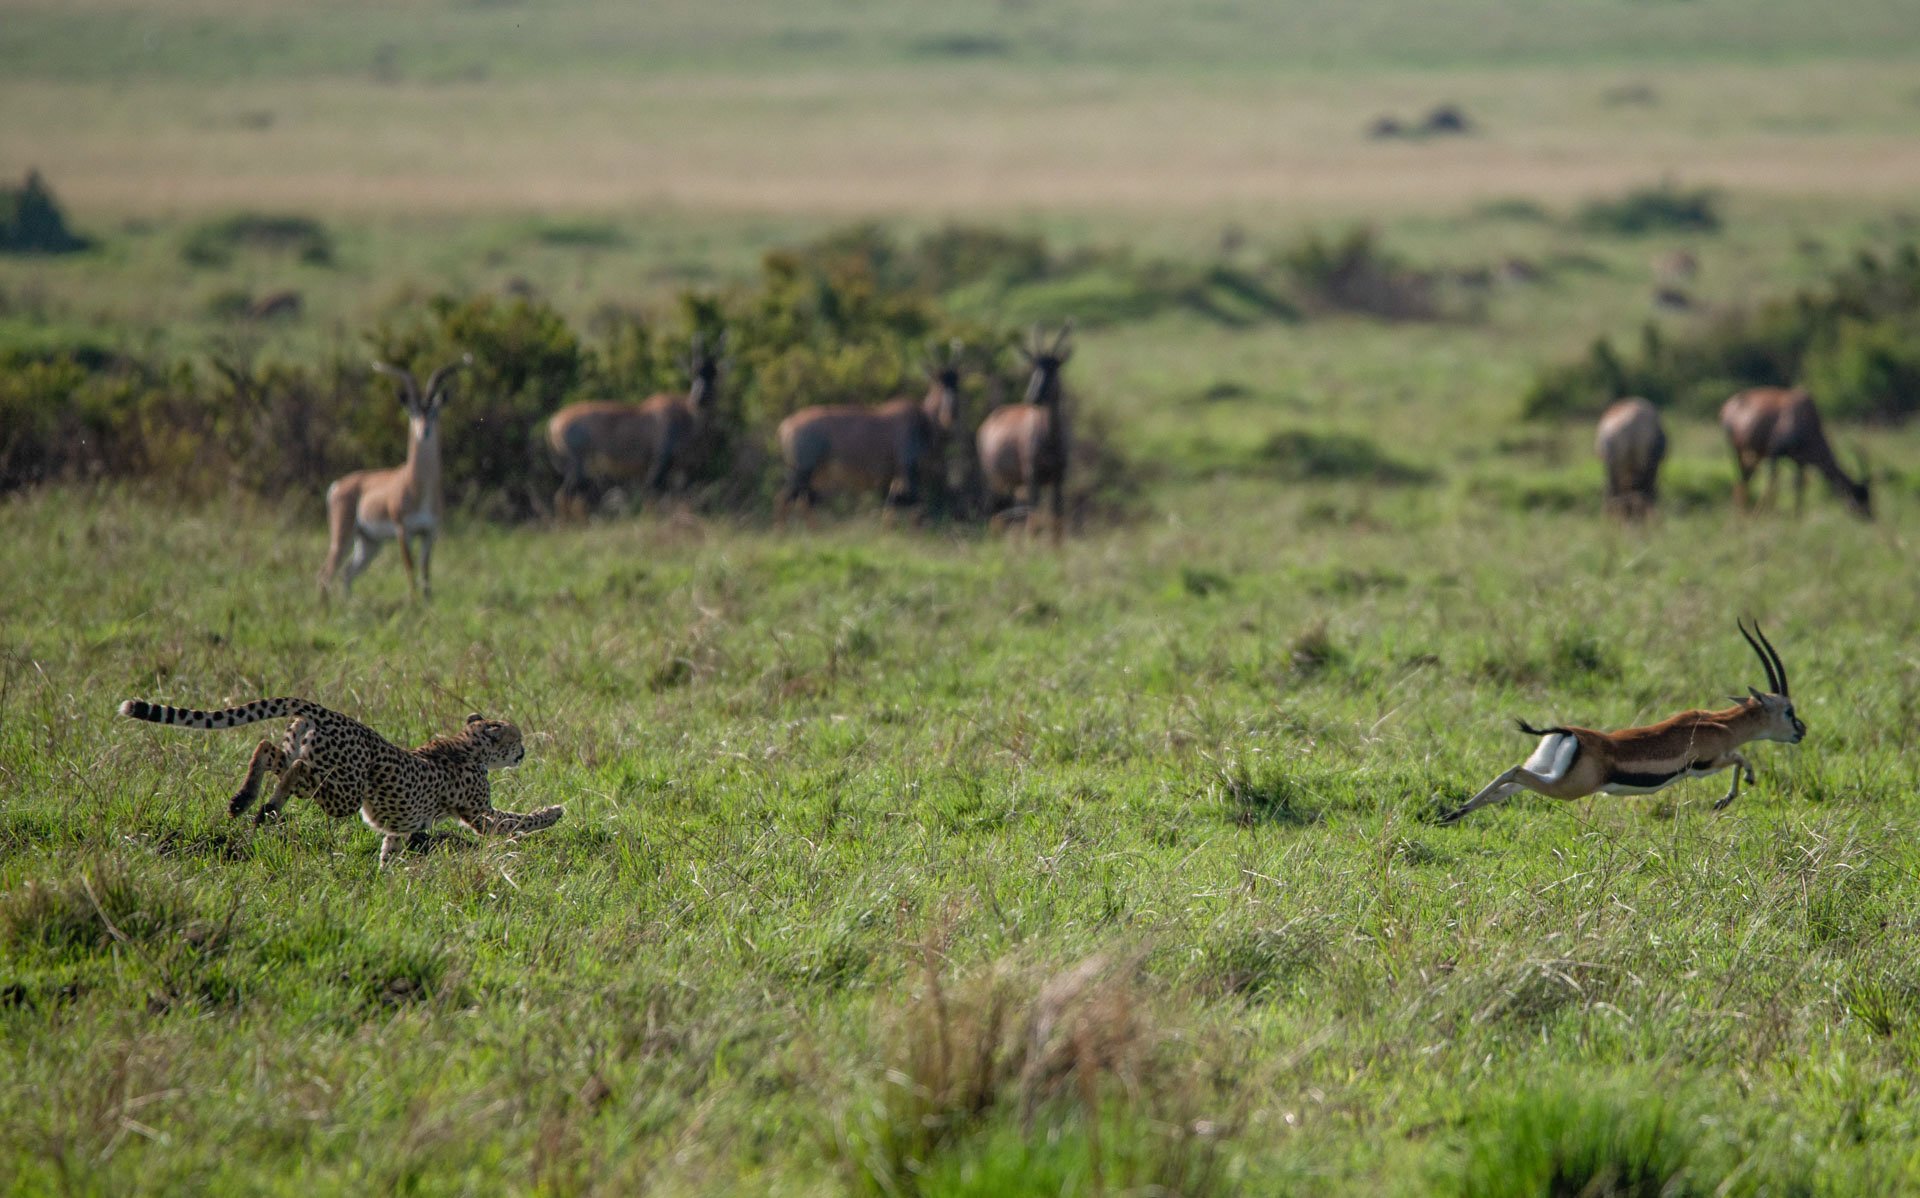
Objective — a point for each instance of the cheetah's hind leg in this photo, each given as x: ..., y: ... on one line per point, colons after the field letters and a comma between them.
x: 267, y: 759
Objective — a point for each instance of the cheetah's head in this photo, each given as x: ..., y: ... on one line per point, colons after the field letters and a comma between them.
x: 498, y: 742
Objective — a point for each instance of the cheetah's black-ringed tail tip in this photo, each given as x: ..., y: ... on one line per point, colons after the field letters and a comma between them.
x: 137, y: 709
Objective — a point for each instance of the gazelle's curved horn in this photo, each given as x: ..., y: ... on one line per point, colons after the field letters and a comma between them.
x: 1066, y: 330
x: 434, y: 380
x: 1779, y: 667
x: 406, y: 380
x: 1775, y: 682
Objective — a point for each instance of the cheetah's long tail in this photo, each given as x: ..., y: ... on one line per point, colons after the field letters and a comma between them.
x: 510, y: 823
x: 231, y: 717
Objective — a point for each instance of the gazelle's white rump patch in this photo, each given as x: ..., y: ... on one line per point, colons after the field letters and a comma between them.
x: 1554, y: 756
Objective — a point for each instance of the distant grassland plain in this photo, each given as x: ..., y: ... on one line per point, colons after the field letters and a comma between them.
x: 937, y: 109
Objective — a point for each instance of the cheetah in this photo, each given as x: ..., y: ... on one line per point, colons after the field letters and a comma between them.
x: 346, y: 766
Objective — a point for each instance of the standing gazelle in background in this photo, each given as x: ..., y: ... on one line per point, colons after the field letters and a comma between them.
x: 601, y: 442
x: 1766, y: 424
x: 1024, y: 446
x: 1572, y: 763
x: 892, y: 448
x: 1631, y: 445
x: 402, y: 504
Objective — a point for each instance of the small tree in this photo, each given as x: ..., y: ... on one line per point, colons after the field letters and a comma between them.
x: 31, y: 221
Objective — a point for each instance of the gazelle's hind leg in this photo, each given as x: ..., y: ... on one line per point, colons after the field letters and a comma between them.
x: 1740, y: 766
x: 365, y: 548
x: 1549, y: 763
x: 1499, y: 790
x: 267, y: 759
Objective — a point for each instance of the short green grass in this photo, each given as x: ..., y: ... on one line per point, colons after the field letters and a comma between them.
x: 810, y: 776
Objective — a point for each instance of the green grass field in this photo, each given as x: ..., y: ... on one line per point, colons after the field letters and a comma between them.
x: 928, y: 861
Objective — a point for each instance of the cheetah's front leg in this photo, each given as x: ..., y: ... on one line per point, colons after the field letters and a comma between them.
x: 296, y: 773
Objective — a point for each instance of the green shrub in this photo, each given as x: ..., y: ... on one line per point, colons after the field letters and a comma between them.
x: 31, y: 220
x: 1851, y: 339
x: 1354, y: 273
x: 1661, y: 208
x: 216, y: 242
x: 1868, y: 369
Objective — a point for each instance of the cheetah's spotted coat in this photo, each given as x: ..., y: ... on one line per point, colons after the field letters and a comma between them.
x: 346, y: 766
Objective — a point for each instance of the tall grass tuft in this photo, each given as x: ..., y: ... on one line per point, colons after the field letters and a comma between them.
x: 1026, y: 1081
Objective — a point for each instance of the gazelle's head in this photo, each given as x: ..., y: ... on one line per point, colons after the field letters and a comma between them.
x: 1043, y: 385
x: 423, y: 407
x: 703, y: 370
x: 942, y: 368
x: 1774, y: 704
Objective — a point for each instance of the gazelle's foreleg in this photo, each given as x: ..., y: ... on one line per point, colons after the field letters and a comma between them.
x: 1740, y: 766
x: 406, y: 558
x: 1499, y: 790
x: 426, y: 563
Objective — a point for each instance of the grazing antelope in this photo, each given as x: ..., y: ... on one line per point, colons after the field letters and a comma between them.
x: 1023, y: 447
x: 889, y: 448
x: 601, y: 442
x: 1631, y: 444
x: 402, y: 504
x: 1572, y: 763
x: 1766, y: 424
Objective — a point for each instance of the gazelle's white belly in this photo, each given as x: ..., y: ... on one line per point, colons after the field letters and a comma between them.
x: 387, y: 530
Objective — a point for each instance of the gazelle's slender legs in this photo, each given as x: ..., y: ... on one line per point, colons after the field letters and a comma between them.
x: 406, y: 558
x: 1499, y: 790
x: 426, y: 564
x: 1740, y: 766
x: 364, y: 550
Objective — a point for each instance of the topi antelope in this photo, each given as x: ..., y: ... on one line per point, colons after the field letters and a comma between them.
x: 1766, y: 424
x: 1023, y: 447
x: 1572, y: 763
x: 1631, y: 445
x: 402, y: 504
x: 891, y: 448
x: 601, y: 442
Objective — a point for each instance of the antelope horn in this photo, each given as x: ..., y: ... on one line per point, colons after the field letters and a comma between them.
x: 405, y: 377
x: 1776, y: 678
x: 434, y: 379
x: 1066, y: 330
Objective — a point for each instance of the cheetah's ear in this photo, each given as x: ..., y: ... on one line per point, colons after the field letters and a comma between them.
x: 475, y: 718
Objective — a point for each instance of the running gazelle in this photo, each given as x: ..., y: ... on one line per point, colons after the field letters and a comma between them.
x: 1572, y: 763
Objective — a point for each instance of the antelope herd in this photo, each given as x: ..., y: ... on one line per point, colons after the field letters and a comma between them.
x: 899, y: 451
